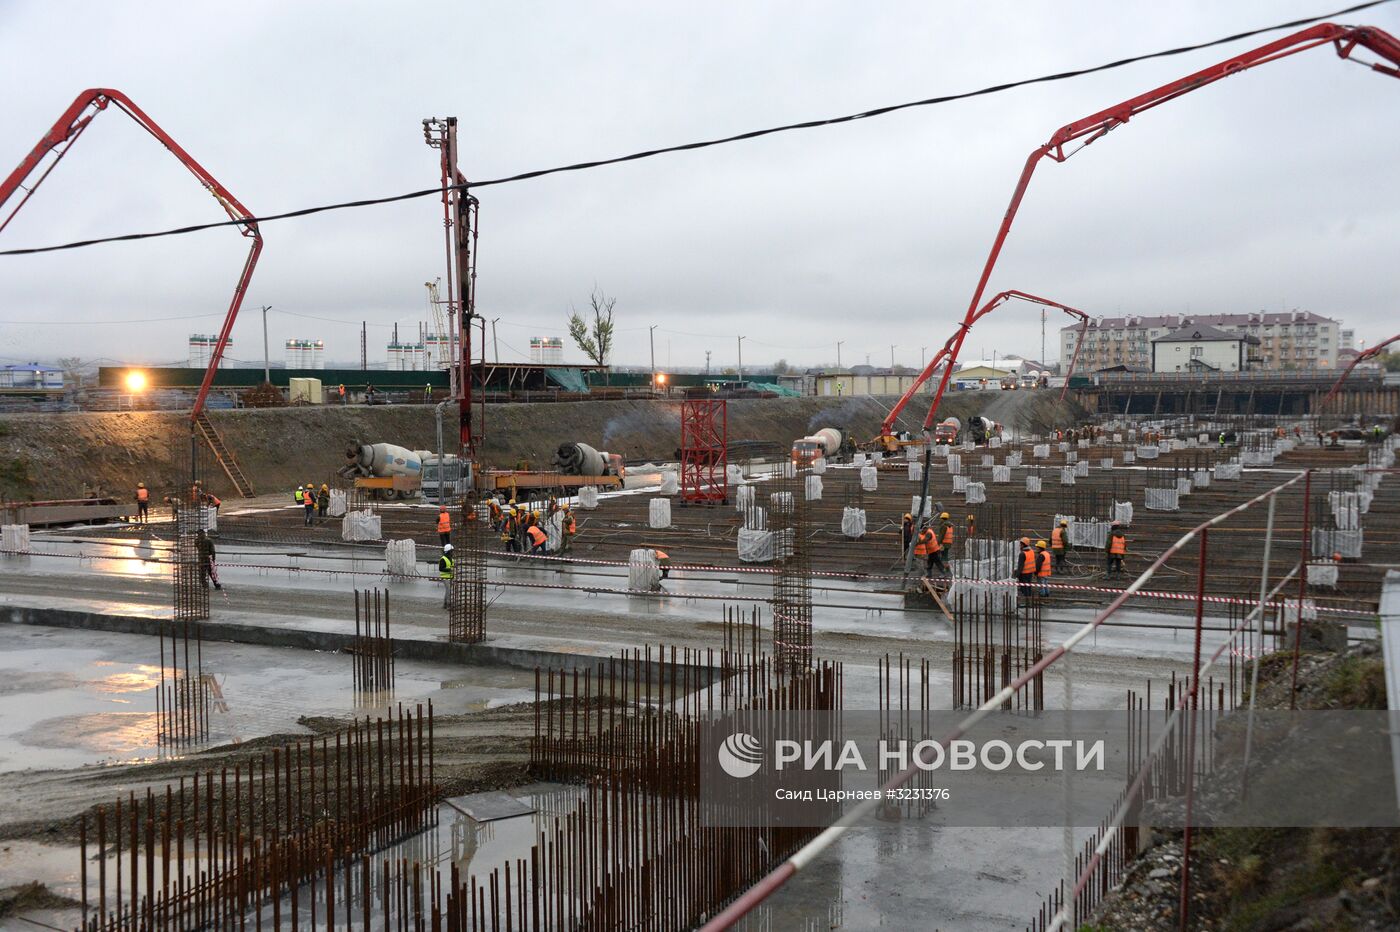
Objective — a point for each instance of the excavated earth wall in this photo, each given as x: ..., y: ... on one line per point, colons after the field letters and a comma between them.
x: 45, y: 456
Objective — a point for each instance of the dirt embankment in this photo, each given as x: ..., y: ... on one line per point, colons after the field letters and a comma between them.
x: 65, y: 455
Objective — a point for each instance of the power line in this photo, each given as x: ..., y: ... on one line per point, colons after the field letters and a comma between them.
x: 703, y: 144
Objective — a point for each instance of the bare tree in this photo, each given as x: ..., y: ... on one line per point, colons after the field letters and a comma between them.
x: 72, y: 367
x: 594, y: 338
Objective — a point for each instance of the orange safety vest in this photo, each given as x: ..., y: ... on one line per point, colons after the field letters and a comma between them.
x: 1027, y: 562
x: 948, y: 535
x: 1043, y: 561
x: 570, y: 526
x: 143, y: 495
x: 444, y: 523
x: 926, y: 544
x: 1057, y: 538
x: 1117, y: 545
x: 536, y: 535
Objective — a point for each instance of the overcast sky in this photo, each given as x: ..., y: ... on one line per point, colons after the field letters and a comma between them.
x: 1273, y: 190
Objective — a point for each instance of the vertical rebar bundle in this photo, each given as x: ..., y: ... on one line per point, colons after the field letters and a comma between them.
x: 183, y: 696
x: 995, y: 641
x: 466, y: 606
x: 373, y: 649
x: 792, y: 585
x: 185, y: 500
x: 229, y: 849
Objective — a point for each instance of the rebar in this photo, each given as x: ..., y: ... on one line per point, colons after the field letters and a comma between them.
x: 466, y: 603
x: 373, y: 648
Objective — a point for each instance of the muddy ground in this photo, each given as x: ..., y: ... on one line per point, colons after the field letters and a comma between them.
x: 45, y: 456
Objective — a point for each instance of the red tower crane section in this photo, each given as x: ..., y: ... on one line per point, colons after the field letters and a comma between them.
x: 1092, y: 128
x: 886, y: 440
x: 60, y: 139
x: 1365, y: 354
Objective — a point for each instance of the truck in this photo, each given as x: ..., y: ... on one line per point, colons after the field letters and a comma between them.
x: 947, y: 430
x: 824, y: 444
x: 385, y: 469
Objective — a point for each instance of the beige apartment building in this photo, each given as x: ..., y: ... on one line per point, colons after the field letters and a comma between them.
x: 1287, y: 340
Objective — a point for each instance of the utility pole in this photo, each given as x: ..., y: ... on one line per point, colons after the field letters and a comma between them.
x: 707, y: 364
x: 267, y: 366
x: 838, y: 353
x: 495, y: 344
x: 651, y: 341
x: 923, y: 355
x: 741, y: 359
x: 891, y: 355
x: 364, y: 346
x: 1042, y: 336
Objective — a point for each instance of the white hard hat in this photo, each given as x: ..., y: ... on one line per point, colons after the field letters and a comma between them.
x: 446, y: 548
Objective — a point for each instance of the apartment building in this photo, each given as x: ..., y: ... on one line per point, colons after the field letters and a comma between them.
x: 1287, y: 340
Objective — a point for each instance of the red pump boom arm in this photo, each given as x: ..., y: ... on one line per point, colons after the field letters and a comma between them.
x: 1370, y: 353
x: 1000, y: 299
x: 1094, y: 127
x: 60, y: 139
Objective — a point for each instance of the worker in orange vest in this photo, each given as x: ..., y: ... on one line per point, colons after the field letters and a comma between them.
x: 1042, y: 567
x: 1115, y: 550
x: 538, y: 539
x: 945, y: 531
x: 927, y: 546
x: 143, y: 503
x: 1059, y: 543
x: 1026, y: 571
x: 444, y: 526
x: 570, y: 528
x: 663, y: 560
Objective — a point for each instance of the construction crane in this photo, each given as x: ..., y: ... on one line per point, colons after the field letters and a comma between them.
x: 441, y: 333
x: 889, y: 442
x: 1345, y: 39
x: 67, y: 130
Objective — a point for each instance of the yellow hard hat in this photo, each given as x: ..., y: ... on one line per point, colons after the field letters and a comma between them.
x: 908, y: 515
x: 534, y: 514
x: 1040, y: 544
x: 140, y: 485
x: 943, y: 515
x: 566, y: 506
x: 1064, y: 523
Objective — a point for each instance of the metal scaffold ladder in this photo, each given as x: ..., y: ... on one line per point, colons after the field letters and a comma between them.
x: 224, y: 455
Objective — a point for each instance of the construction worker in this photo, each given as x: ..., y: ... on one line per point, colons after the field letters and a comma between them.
x: 299, y: 494
x: 1025, y: 573
x: 509, y: 523
x: 945, y: 532
x: 340, y: 390
x: 539, y: 541
x: 663, y: 560
x: 444, y: 526
x: 1115, y: 549
x: 207, y: 571
x: 1042, y: 567
x: 428, y: 392
x: 1222, y: 438
x: 308, y: 502
x: 493, y: 507
x: 323, y: 500
x: 143, y: 503
x: 906, y: 532
x: 570, y: 528
x: 445, y: 572
x: 1059, y: 543
x: 926, y: 546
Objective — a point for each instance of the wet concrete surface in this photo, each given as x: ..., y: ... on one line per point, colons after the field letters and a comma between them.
x: 74, y: 698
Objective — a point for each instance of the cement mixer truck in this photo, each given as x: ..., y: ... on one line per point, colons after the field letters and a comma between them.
x: 979, y: 430
x: 389, y: 471
x: 826, y: 443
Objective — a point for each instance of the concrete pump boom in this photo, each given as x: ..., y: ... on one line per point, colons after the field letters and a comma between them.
x: 1370, y: 353
x: 66, y: 131
x: 1091, y: 128
x: 1094, y: 127
x: 888, y: 425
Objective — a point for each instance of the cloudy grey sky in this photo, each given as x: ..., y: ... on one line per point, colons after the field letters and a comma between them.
x: 1275, y: 189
